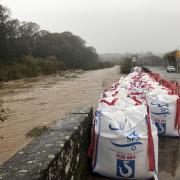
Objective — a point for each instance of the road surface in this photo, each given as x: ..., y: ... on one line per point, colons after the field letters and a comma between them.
x: 169, y: 76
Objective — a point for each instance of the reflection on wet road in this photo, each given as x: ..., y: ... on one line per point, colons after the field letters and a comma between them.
x: 169, y: 158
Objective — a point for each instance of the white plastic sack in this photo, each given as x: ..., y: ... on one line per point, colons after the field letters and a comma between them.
x: 163, y: 113
x: 121, y: 149
x: 112, y: 104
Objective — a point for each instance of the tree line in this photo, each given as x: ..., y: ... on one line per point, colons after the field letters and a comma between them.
x: 27, y: 51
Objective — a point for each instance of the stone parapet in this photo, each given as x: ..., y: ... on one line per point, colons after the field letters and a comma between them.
x: 58, y: 154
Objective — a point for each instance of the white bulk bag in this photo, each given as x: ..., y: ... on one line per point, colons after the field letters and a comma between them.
x: 112, y: 104
x: 163, y: 112
x: 121, y: 144
x: 113, y: 93
x: 137, y: 69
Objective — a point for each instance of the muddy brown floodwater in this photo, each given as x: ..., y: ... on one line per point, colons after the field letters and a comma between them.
x: 42, y: 100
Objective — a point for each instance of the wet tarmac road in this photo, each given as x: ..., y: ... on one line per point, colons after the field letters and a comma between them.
x: 169, y: 158
x: 164, y: 74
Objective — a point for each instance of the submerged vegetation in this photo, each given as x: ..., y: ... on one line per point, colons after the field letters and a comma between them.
x: 3, y: 112
x: 36, y: 131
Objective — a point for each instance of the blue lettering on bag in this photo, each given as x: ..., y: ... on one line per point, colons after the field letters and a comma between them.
x: 98, y: 113
x: 161, y: 127
x: 164, y: 110
x: 159, y: 105
x: 125, y: 168
x: 133, y: 140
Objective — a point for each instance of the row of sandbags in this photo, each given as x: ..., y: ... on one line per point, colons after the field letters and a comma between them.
x: 163, y: 102
x: 124, y: 142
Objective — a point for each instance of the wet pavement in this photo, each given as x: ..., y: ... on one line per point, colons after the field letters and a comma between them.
x: 169, y: 158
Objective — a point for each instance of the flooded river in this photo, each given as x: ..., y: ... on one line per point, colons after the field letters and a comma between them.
x: 42, y: 100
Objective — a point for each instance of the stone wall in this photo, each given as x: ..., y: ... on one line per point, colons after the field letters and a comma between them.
x: 58, y: 154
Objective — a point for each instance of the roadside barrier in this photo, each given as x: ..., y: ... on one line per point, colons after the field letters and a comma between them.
x: 124, y: 141
x: 177, y: 91
x: 122, y: 148
x: 165, y: 108
x: 130, y: 114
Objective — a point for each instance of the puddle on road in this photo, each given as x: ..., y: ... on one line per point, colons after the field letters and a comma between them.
x: 169, y: 158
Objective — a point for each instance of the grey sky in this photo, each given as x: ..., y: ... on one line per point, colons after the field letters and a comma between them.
x: 115, y: 26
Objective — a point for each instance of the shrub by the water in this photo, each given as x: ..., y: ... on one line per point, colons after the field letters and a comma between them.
x: 36, y: 131
x: 30, y: 66
x: 27, y: 51
x: 99, y: 65
x: 125, y: 66
x: 3, y: 112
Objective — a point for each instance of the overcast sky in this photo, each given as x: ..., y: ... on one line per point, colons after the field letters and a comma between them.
x: 111, y: 26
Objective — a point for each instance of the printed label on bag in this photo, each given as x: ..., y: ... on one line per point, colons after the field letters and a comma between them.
x: 125, y: 165
x: 161, y: 125
x: 132, y: 142
x: 162, y: 109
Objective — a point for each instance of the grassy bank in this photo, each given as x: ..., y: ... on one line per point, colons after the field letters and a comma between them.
x: 30, y: 66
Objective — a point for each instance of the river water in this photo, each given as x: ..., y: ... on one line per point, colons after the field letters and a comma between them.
x: 42, y: 100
